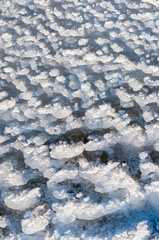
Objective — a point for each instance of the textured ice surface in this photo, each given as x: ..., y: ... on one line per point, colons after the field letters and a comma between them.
x: 22, y: 201
x: 79, y: 119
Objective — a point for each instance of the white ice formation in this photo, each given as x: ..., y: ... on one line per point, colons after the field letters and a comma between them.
x: 79, y: 120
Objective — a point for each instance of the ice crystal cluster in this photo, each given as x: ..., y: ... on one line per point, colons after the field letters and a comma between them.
x: 79, y: 119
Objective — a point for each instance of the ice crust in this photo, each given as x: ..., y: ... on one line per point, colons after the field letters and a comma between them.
x: 79, y: 120
x: 23, y: 201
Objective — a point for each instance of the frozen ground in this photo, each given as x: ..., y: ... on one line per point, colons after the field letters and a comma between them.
x: 79, y: 119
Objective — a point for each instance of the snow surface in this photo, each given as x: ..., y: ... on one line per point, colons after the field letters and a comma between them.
x: 79, y: 120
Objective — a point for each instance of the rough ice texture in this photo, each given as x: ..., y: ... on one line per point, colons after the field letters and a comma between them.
x: 24, y: 201
x: 79, y: 120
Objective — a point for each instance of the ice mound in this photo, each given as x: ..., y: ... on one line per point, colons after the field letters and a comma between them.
x: 3, y: 222
x: 10, y: 177
x: 66, y: 151
x: 24, y: 200
x: 33, y: 223
x: 79, y: 120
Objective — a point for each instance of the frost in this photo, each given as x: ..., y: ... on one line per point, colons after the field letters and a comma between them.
x: 3, y: 94
x: 143, y: 155
x: 152, y: 194
x: 148, y: 116
x: 67, y: 214
x: 103, y: 111
x: 152, y: 133
x: 3, y: 222
x: 133, y: 135
x: 125, y: 99
x: 67, y: 151
x: 54, y: 73
x: 59, y: 112
x: 79, y: 120
x: 34, y: 224
x: 24, y: 200
x: 7, y: 104
x: 82, y: 41
x: 9, y: 177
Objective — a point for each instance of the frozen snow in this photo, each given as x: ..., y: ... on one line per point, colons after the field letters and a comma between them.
x: 24, y: 200
x: 67, y: 151
x: 33, y: 225
x: 3, y: 222
x: 79, y: 120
